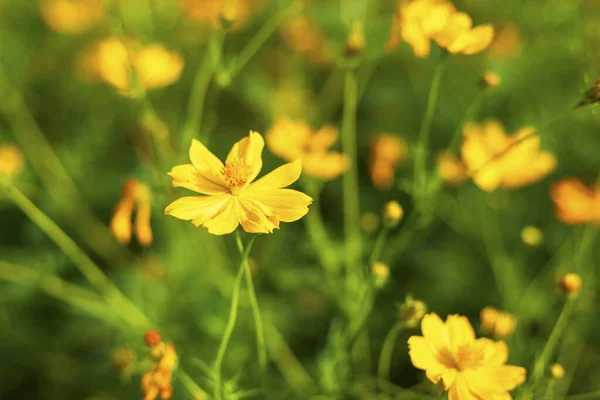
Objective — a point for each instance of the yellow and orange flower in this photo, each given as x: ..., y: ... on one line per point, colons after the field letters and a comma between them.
x: 386, y: 151
x: 495, y: 160
x: 575, y: 202
x: 468, y: 368
x: 420, y: 21
x: 71, y: 16
x: 135, y: 194
x: 231, y: 197
x: 293, y: 140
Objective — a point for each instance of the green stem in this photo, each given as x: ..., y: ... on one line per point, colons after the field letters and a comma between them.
x: 258, y: 324
x: 191, y: 386
x: 387, y: 350
x: 379, y: 243
x: 420, y: 167
x: 230, y: 322
x: 542, y: 361
x: 469, y: 115
x: 350, y: 178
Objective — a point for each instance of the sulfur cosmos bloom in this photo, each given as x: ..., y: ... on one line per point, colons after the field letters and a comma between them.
x: 495, y: 160
x: 468, y: 368
x: 420, y: 21
x: 293, y: 140
x: 576, y: 203
x: 231, y: 197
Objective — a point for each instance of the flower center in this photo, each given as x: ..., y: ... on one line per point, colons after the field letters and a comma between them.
x: 468, y: 357
x: 235, y: 172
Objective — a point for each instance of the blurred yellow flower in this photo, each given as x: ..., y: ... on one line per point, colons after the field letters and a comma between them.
x: 302, y: 36
x: 419, y: 21
x: 71, y: 16
x: 497, y: 323
x: 386, y: 151
x: 110, y: 61
x: 451, y: 168
x: 575, y: 202
x: 232, y: 198
x: 468, y: 368
x: 506, y: 43
x: 412, y: 311
x: 556, y: 371
x: 135, y: 194
x: 393, y: 212
x: 11, y: 160
x: 571, y: 283
x: 532, y: 235
x: 213, y: 12
x: 495, y: 160
x: 292, y: 140
x: 157, y: 382
x: 490, y: 79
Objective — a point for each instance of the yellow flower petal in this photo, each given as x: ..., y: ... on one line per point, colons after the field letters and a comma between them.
x: 460, y: 332
x: 434, y: 330
x: 325, y: 166
x: 250, y: 150
x: 255, y: 217
x: 494, y: 353
x: 286, y: 204
x: 156, y: 66
x: 190, y: 178
x: 480, y: 39
x: 460, y: 390
x: 226, y: 219
x: 414, y: 36
x: 196, y: 207
x: 420, y: 353
x: 458, y: 24
x: 206, y: 162
x: 287, y: 138
x: 279, y: 178
x: 323, y: 139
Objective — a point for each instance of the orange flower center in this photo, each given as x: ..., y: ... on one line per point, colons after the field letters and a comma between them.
x: 468, y: 357
x: 236, y: 173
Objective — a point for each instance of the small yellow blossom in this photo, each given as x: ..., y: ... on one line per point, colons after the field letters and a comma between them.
x: 135, y: 194
x: 496, y: 160
x: 386, y: 151
x: 556, y: 371
x: 71, y: 16
x: 393, y: 212
x: 231, y: 197
x: 575, y: 202
x: 497, y: 323
x: 412, y: 311
x: 110, y: 60
x: 11, y: 160
x: 451, y: 168
x: 490, y: 79
x: 292, y: 140
x: 532, y: 235
x: 468, y: 368
x: 302, y: 36
x: 380, y: 271
x: 506, y: 43
x: 571, y: 283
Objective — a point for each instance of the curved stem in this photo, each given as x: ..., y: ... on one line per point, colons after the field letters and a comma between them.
x: 379, y: 243
x: 387, y: 350
x: 230, y: 322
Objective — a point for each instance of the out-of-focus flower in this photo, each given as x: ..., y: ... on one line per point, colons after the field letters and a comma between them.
x: 302, y: 36
x: 393, y: 212
x: 532, y: 235
x: 369, y: 222
x: 506, y: 43
x: 496, y: 160
x: 571, y: 283
x: 497, y: 323
x: 157, y: 381
x: 214, y: 12
x: 135, y: 194
x: 451, y: 168
x: 575, y: 202
x: 412, y: 311
x: 231, y: 197
x: 293, y: 140
x: 355, y: 43
x: 110, y: 60
x: 386, y: 151
x: 123, y: 360
x: 420, y: 21
x: 11, y: 160
x: 71, y: 16
x: 490, y: 79
x: 381, y: 273
x: 468, y: 368
x: 556, y: 372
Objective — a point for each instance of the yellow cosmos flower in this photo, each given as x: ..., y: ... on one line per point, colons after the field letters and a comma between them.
x: 469, y: 368
x: 497, y: 161
x: 231, y: 197
x: 292, y: 140
x: 575, y: 202
x: 422, y: 20
x: 71, y: 16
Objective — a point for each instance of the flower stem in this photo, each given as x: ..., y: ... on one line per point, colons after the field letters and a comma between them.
x: 258, y: 324
x: 379, y: 243
x: 230, y: 322
x: 387, y: 350
x: 420, y: 167
x: 350, y: 179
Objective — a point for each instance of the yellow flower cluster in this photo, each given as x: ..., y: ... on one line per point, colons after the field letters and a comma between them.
x: 293, y: 140
x: 135, y: 194
x: 468, y: 368
x: 421, y: 21
x: 575, y: 202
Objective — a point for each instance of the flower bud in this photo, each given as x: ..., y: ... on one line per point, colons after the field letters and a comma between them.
x: 355, y: 43
x: 381, y: 273
x: 532, y: 236
x: 497, y: 323
x: 393, y: 213
x: 11, y: 160
x: 571, y: 283
x: 412, y: 311
x: 556, y: 371
x: 490, y: 80
x: 152, y: 338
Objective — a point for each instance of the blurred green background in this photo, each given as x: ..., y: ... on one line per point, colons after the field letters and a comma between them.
x: 471, y: 254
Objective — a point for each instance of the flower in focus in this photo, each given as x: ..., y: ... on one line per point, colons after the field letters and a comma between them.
x: 497, y: 323
x: 292, y: 140
x: 135, y: 194
x: 230, y: 196
x: 111, y: 61
x: 386, y: 151
x: 532, y: 235
x: 419, y: 21
x: 215, y: 11
x: 451, y: 168
x: 302, y: 36
x: 506, y: 43
x: 11, y: 160
x: 468, y: 368
x: 575, y: 203
x: 157, y: 381
x: 71, y: 16
x: 495, y: 160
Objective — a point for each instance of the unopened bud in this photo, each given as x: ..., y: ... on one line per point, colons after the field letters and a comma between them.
x: 490, y: 80
x: 355, y: 43
x: 412, y: 311
x: 571, y: 283
x: 381, y: 273
x: 497, y: 323
x: 592, y: 95
x: 556, y: 371
x: 532, y: 236
x: 11, y: 160
x: 152, y: 338
x: 393, y: 213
